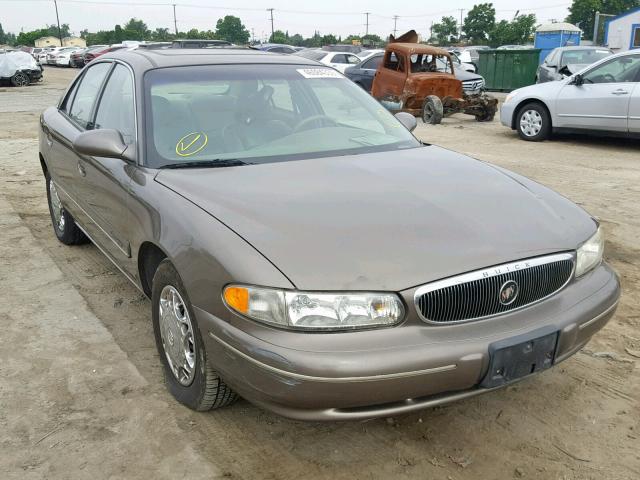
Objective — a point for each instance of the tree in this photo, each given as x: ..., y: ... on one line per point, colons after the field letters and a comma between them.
x: 372, y: 39
x: 279, y: 37
x: 296, y: 40
x: 446, y: 31
x: 3, y: 36
x: 231, y: 29
x: 479, y: 22
x: 583, y: 13
x: 516, y: 32
x: 162, y: 35
x: 135, y: 29
x: 29, y: 38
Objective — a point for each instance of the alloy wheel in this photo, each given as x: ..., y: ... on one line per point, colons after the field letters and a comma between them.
x: 176, y: 331
x: 57, y: 209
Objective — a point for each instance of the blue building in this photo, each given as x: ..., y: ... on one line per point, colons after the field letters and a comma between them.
x: 622, y: 33
x: 554, y: 35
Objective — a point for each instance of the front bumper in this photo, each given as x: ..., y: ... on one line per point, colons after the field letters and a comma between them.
x: 384, y: 372
x: 506, y: 114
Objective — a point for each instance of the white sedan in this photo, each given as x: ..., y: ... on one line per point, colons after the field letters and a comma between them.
x: 604, y: 97
x: 63, y: 58
x: 338, y: 60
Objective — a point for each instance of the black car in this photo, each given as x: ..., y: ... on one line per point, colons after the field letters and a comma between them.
x: 364, y: 72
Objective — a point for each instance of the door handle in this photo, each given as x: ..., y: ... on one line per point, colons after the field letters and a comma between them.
x: 620, y: 92
x: 81, y: 170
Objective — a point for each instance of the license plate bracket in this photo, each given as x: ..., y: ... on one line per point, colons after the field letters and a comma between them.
x: 514, y: 358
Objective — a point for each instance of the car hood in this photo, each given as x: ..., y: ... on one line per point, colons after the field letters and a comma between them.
x: 384, y: 221
x: 574, y: 67
x: 463, y: 75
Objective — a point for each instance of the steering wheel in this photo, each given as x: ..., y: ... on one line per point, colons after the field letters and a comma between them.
x: 610, y: 78
x: 311, y: 119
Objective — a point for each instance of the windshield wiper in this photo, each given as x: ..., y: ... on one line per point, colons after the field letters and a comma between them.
x: 223, y: 162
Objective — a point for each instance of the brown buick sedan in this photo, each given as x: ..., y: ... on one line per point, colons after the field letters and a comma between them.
x: 302, y: 249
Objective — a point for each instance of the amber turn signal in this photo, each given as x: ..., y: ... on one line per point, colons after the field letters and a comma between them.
x: 237, y: 298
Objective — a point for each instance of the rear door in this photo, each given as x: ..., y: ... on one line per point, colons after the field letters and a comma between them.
x: 602, y: 101
x: 634, y: 109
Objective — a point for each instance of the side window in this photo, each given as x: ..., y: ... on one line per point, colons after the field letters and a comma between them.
x: 636, y: 38
x: 394, y: 62
x: 68, y: 101
x: 339, y: 58
x: 86, y: 93
x: 352, y: 59
x: 372, y: 63
x: 618, y: 70
x: 116, y: 109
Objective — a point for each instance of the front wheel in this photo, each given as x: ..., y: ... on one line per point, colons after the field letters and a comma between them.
x: 63, y: 223
x: 188, y: 375
x: 533, y: 123
x: 432, y: 110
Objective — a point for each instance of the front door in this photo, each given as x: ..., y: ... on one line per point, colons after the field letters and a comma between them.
x: 391, y: 76
x: 105, y: 186
x: 602, y: 101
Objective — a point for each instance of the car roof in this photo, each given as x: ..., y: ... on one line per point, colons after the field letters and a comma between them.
x: 583, y: 47
x: 144, y: 59
x: 411, y: 48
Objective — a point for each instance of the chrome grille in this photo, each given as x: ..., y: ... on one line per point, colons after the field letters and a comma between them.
x: 472, y: 85
x: 477, y: 295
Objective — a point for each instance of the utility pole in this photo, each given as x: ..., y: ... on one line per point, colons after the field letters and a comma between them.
x: 366, y: 32
x: 175, y: 22
x: 271, y: 10
x: 395, y: 24
x: 460, y: 33
x: 58, y: 20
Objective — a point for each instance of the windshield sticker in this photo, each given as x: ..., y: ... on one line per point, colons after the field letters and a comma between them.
x: 319, y: 73
x: 191, y: 144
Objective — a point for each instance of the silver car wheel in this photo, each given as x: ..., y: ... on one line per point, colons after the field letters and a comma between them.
x: 56, y: 207
x: 177, y: 335
x: 531, y: 123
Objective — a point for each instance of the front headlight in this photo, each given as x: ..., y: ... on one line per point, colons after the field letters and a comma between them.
x: 510, y: 97
x: 590, y: 253
x: 314, y: 311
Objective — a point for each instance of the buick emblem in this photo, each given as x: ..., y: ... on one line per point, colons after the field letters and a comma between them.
x: 508, y: 292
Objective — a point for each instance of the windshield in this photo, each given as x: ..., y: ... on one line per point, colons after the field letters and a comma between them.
x: 583, y: 57
x: 261, y: 114
x: 421, y: 63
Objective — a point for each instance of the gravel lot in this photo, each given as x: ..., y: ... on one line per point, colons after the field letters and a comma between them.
x: 82, y: 395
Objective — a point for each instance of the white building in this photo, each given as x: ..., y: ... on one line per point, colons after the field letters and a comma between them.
x: 622, y: 33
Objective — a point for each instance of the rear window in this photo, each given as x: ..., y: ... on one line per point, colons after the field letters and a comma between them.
x: 316, y: 55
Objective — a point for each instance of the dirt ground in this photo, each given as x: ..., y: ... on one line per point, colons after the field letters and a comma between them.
x: 82, y: 394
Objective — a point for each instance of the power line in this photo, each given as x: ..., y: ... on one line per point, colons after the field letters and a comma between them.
x: 58, y: 20
x: 395, y: 25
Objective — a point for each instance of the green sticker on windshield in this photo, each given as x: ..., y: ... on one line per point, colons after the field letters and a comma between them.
x: 191, y: 144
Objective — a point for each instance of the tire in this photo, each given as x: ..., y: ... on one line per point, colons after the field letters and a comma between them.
x: 533, y: 122
x: 20, y: 79
x: 432, y: 110
x: 198, y: 386
x: 64, y: 226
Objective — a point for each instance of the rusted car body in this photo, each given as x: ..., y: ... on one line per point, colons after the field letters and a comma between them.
x: 420, y: 79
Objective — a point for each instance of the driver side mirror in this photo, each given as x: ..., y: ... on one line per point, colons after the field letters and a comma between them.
x: 103, y: 143
x: 407, y: 120
x: 577, y: 80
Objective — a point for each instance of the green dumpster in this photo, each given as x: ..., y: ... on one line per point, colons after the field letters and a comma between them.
x: 506, y: 70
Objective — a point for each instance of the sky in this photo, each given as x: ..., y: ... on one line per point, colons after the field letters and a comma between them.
x: 295, y: 16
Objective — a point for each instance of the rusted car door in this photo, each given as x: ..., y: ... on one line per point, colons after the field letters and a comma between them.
x: 391, y: 76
